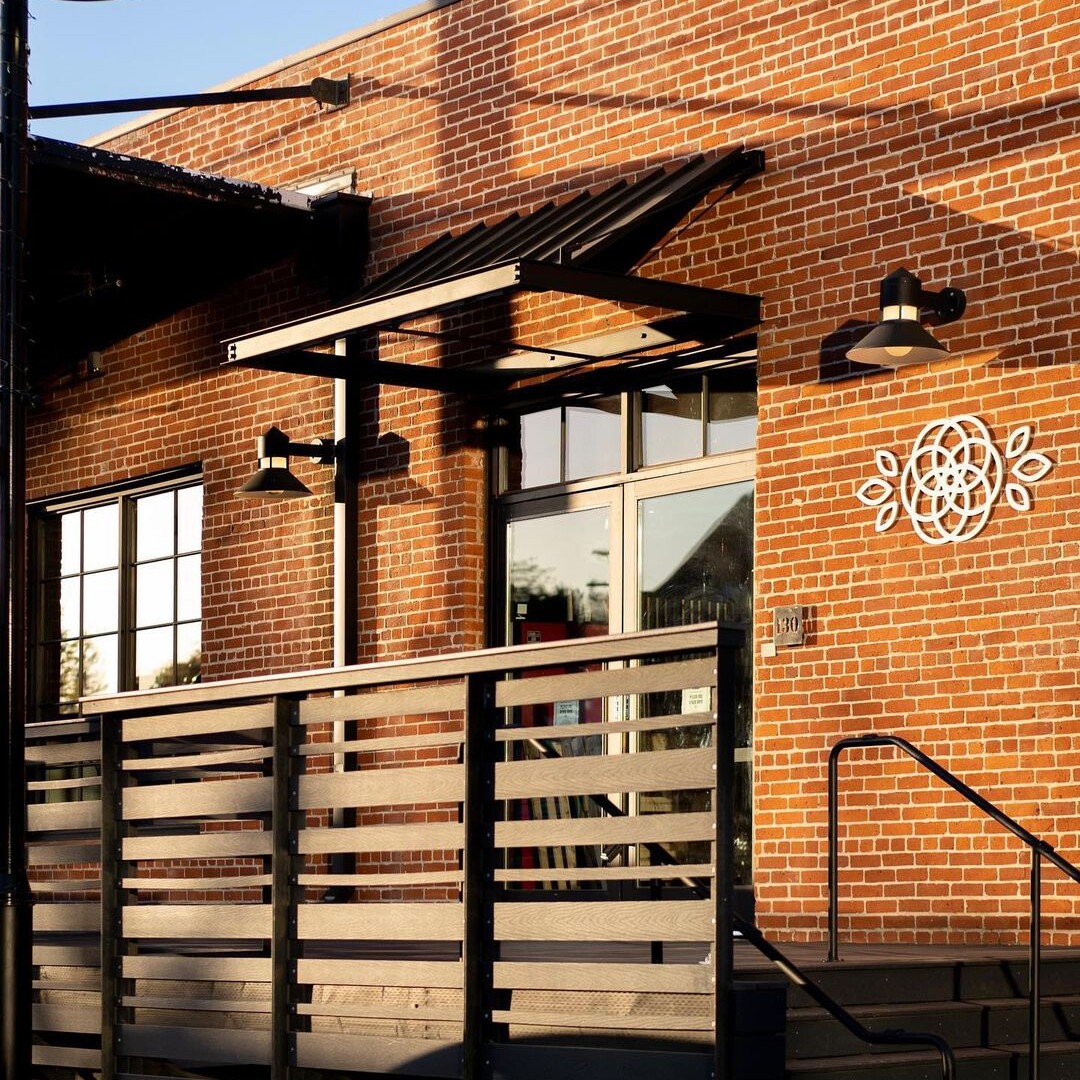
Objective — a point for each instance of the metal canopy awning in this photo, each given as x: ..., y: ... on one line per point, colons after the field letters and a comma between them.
x: 116, y: 243
x: 584, y: 247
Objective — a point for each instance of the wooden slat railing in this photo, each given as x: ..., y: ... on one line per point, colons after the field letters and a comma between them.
x: 433, y: 867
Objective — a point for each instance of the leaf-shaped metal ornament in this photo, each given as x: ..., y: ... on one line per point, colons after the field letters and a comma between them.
x: 1032, y: 467
x: 874, y: 492
x: 1018, y: 496
x: 1019, y: 441
x: 887, y: 462
x: 886, y: 517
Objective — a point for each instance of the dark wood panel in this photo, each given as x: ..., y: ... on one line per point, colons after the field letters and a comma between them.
x: 657, y: 920
x: 83, y: 955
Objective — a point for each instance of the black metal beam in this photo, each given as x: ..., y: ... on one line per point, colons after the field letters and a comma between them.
x: 16, y: 902
x: 333, y: 93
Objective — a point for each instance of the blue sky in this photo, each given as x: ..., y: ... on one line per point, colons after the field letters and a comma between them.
x: 138, y: 48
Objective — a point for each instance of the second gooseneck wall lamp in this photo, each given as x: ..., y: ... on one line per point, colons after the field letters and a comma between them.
x: 900, y: 338
x: 274, y: 479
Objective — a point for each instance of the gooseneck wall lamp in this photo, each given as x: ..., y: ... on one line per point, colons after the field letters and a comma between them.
x: 899, y: 338
x: 274, y: 479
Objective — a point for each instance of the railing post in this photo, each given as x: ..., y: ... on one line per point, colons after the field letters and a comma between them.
x: 728, y: 641
x: 478, y: 845
x: 112, y: 894
x: 834, y: 871
x: 282, y: 970
x: 1034, y: 965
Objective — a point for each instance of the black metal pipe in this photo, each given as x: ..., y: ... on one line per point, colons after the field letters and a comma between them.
x: 331, y: 92
x: 16, y: 925
x: 834, y: 870
x: 1034, y: 967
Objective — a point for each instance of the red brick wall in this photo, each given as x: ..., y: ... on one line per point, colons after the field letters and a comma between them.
x: 940, y: 136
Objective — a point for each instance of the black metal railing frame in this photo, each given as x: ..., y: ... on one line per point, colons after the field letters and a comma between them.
x: 1039, y: 848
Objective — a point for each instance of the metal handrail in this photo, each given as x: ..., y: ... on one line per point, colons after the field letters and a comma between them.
x: 889, y: 1037
x: 1040, y: 850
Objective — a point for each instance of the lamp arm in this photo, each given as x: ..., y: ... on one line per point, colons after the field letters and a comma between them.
x: 947, y: 305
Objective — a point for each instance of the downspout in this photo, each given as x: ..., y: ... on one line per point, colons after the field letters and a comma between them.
x: 16, y: 902
x: 346, y: 585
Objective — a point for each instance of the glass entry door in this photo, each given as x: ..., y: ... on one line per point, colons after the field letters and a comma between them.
x: 644, y: 554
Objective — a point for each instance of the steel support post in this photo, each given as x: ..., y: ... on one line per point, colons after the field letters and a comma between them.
x: 16, y: 916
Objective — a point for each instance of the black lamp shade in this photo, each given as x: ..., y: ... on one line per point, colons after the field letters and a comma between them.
x: 895, y: 342
x: 274, y: 482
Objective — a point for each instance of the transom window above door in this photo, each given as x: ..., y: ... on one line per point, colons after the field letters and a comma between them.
x: 672, y: 421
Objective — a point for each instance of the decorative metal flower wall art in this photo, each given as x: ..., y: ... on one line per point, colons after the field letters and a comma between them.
x: 953, y: 479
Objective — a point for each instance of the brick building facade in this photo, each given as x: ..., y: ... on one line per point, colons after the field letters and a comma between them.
x: 939, y: 136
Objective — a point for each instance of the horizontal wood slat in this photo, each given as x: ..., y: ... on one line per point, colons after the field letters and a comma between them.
x: 360, y: 1010
x: 557, y: 732
x: 437, y: 836
x: 531, y: 1062
x: 383, y: 787
x: 437, y: 974
x: 196, y: 884
x: 632, y: 978
x: 413, y: 1057
x: 196, y: 968
x: 415, y: 877
x: 64, y: 785
x: 649, y: 678
x: 82, y: 955
x: 247, y: 796
x: 67, y: 1057
x: 440, y: 698
x: 609, y: 873
x: 169, y: 725
x: 211, y: 1046
x: 230, y: 843
x: 64, y: 816
x: 67, y: 917
x: 210, y: 921
x: 63, y: 753
x: 658, y: 770
x: 656, y: 920
x: 53, y: 854
x: 389, y: 742
x: 199, y: 760
x: 640, y: 829
x: 80, y: 1019
x: 193, y: 1004
x: 589, y: 1019
x: 385, y: 922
